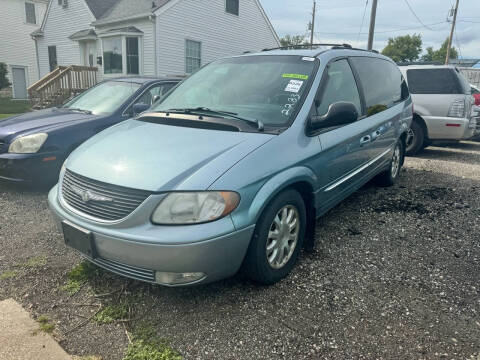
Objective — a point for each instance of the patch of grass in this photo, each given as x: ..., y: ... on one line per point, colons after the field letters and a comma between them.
x: 9, y: 106
x: 3, y: 116
x: 80, y: 273
x: 38, y: 261
x: 110, y: 313
x: 45, y: 324
x: 146, y: 345
x: 8, y: 274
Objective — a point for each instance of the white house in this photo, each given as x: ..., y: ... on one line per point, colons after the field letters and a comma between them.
x: 17, y: 49
x: 145, y: 37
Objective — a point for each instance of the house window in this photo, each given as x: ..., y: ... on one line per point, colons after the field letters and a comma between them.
x: 30, y: 13
x: 112, y: 55
x: 52, y: 57
x: 133, y: 63
x: 232, y: 6
x: 193, y: 60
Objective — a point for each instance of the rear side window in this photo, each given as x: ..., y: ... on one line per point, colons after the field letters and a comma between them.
x: 434, y: 81
x: 382, y: 83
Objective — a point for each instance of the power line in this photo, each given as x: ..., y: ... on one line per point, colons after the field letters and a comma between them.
x: 416, y: 16
x: 386, y: 31
x: 458, y: 43
x: 363, y: 19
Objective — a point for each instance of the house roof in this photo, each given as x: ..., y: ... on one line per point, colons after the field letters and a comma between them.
x: 128, y: 8
x: 100, y: 7
x: 128, y: 29
x: 82, y: 34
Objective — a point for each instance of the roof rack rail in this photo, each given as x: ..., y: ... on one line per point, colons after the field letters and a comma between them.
x: 311, y: 46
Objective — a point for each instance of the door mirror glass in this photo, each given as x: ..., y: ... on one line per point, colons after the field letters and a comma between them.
x: 338, y: 114
x: 155, y: 98
x: 139, y: 108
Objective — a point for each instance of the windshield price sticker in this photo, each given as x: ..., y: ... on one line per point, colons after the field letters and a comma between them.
x: 308, y: 58
x: 294, y: 86
x: 295, y: 76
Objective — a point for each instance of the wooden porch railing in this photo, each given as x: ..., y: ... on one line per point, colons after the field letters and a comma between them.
x: 61, y: 84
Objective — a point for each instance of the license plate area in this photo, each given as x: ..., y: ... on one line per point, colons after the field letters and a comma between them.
x: 79, y: 239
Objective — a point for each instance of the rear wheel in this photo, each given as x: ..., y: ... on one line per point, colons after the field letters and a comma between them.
x: 389, y: 177
x: 277, y: 239
x: 415, y: 139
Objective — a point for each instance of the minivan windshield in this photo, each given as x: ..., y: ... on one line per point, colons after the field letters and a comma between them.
x: 266, y: 88
x: 104, y: 98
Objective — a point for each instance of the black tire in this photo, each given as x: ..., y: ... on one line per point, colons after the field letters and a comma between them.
x: 388, y: 178
x: 415, y: 144
x: 256, y: 265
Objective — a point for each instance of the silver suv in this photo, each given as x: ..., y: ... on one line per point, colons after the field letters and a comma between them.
x: 442, y: 105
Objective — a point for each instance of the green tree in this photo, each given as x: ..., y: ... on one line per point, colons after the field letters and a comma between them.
x: 404, y: 48
x: 3, y: 76
x: 440, y: 54
x: 289, y: 40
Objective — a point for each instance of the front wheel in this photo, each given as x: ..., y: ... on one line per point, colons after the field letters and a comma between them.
x: 388, y: 178
x: 277, y: 239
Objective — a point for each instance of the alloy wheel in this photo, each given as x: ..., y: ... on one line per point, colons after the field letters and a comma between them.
x: 396, y: 161
x: 283, y: 236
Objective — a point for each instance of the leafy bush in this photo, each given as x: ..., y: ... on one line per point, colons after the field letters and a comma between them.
x: 3, y: 76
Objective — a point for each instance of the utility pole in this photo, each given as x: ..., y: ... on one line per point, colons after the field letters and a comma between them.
x: 450, y: 39
x: 371, y: 32
x: 313, y: 24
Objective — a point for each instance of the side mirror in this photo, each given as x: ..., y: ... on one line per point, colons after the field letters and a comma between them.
x: 139, y: 108
x: 155, y: 98
x: 339, y: 113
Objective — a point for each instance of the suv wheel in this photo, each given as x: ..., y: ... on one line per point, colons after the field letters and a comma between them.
x: 415, y: 139
x: 389, y: 177
x: 277, y: 240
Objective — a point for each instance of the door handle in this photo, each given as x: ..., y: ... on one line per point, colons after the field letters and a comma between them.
x: 365, y: 139
x: 376, y: 135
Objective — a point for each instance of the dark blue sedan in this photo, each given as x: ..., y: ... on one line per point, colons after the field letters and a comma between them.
x: 33, y: 146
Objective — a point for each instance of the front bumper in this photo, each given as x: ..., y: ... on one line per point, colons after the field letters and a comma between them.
x: 30, y: 167
x: 141, y: 250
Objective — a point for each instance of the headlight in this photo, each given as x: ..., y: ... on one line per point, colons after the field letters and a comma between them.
x: 195, y: 207
x: 28, y: 144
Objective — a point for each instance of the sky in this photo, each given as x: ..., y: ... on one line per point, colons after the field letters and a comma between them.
x: 340, y: 21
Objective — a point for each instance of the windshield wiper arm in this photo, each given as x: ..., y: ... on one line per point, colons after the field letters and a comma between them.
x: 80, y: 110
x: 231, y: 114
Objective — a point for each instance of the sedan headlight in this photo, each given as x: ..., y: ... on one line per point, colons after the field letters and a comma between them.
x: 29, y: 144
x: 195, y: 207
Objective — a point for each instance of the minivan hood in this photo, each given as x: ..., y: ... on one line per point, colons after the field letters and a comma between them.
x: 38, y: 121
x: 157, y: 157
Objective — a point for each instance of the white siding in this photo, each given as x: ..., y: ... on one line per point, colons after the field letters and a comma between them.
x: 147, y: 41
x: 60, y: 24
x: 16, y: 45
x: 220, y: 33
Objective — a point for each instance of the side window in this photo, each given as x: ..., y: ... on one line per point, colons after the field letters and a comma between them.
x: 159, y: 89
x: 381, y: 82
x: 340, y: 86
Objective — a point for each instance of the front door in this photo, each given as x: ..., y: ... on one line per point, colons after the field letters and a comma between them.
x: 19, y: 82
x: 90, y: 53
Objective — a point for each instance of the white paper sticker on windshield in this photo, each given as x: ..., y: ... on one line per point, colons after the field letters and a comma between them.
x: 294, y: 86
x: 308, y: 58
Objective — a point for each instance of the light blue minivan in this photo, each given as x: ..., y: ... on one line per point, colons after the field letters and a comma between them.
x: 232, y: 168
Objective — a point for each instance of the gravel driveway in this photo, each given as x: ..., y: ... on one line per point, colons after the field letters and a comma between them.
x: 395, y: 275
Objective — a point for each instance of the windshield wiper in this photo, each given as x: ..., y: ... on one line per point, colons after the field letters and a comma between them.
x: 88, y: 112
x: 203, y: 110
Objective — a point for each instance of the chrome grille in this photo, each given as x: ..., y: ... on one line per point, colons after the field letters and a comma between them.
x: 2, y: 144
x: 100, y: 200
x: 125, y: 270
